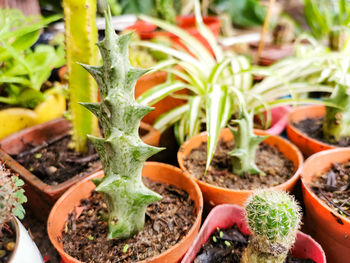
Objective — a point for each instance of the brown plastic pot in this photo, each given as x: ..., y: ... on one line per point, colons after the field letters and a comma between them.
x: 328, y: 227
x: 215, y: 195
x: 226, y: 216
x: 306, y: 144
x: 41, y: 196
x: 156, y: 171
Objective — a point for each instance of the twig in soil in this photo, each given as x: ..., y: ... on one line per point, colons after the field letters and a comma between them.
x: 90, y: 158
x: 41, y: 146
x: 334, y: 204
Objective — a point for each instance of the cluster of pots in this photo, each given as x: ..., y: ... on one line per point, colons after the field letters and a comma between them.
x: 56, y: 202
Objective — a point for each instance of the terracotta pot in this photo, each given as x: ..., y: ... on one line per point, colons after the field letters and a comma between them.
x: 188, y: 23
x: 215, y: 195
x: 25, y: 250
x: 41, y: 196
x: 156, y: 171
x: 271, y: 54
x: 327, y: 226
x: 225, y: 216
x: 306, y: 144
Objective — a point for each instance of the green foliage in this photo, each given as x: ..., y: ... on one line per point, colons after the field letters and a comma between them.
x: 246, y: 142
x: 137, y: 7
x: 122, y: 152
x: 166, y: 10
x: 244, y: 13
x: 23, y: 70
x: 336, y: 125
x: 81, y: 37
x: 11, y: 196
x: 273, y: 218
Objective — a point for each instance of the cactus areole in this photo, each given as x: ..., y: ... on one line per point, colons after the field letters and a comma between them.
x: 273, y: 218
x: 121, y: 151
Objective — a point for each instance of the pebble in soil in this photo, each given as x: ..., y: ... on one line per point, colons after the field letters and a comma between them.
x: 313, y: 128
x: 333, y: 187
x: 7, y: 243
x: 227, y: 245
x: 269, y: 159
x: 167, y: 222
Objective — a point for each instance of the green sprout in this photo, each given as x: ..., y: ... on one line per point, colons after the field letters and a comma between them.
x: 273, y: 218
x: 122, y: 152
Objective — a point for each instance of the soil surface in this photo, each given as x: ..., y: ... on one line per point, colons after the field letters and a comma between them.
x: 227, y: 245
x: 54, y: 162
x: 7, y: 243
x: 167, y: 222
x: 38, y: 232
x: 313, y: 128
x: 270, y: 160
x: 333, y: 187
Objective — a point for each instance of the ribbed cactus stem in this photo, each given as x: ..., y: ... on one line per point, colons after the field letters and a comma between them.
x: 336, y: 125
x: 122, y: 152
x: 246, y: 144
x: 273, y: 218
x: 80, y: 39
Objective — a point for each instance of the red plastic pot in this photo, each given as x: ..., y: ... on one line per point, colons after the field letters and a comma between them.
x: 307, y: 145
x: 156, y: 171
x: 279, y: 119
x: 225, y: 216
x: 148, y: 31
x: 41, y: 196
x: 327, y: 226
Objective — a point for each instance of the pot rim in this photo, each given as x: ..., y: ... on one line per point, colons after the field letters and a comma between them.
x: 306, y: 187
x: 100, y: 174
x: 295, y: 176
x: 301, y: 133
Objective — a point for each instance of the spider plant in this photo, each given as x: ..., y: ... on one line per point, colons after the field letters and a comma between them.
x: 212, y: 81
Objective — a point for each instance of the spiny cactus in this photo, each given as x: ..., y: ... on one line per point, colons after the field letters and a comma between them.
x: 80, y: 38
x: 11, y: 196
x: 122, y: 152
x: 273, y: 218
x: 246, y: 142
x: 336, y: 125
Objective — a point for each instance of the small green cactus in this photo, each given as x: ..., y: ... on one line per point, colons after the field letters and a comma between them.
x: 122, y: 152
x: 11, y: 196
x: 273, y: 218
x: 336, y: 125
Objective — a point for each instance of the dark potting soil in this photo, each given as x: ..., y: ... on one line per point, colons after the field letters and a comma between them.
x: 333, y: 187
x: 54, y: 162
x: 227, y: 245
x: 7, y: 243
x: 167, y: 222
x: 269, y: 159
x: 38, y: 232
x: 313, y: 128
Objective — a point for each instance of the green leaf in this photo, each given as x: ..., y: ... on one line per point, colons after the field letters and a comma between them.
x: 193, y: 116
x: 26, y: 41
x: 167, y: 119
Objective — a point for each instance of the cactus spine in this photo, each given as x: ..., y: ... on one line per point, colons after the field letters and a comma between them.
x: 80, y: 38
x: 273, y: 218
x: 122, y: 152
x: 336, y: 125
x: 246, y: 142
x: 11, y: 196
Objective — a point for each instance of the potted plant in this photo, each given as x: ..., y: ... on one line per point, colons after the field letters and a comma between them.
x: 121, y: 188
x: 47, y: 159
x: 27, y: 97
x: 225, y: 233
x: 324, y: 184
x: 241, y: 163
x: 16, y: 244
x: 317, y: 128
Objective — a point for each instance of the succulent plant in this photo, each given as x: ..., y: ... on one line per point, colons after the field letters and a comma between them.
x: 273, y: 218
x: 336, y: 125
x: 246, y: 142
x: 122, y: 152
x: 11, y: 196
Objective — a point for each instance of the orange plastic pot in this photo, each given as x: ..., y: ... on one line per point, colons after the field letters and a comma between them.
x: 327, y: 226
x: 156, y: 171
x: 306, y: 144
x: 215, y: 195
x: 42, y: 196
